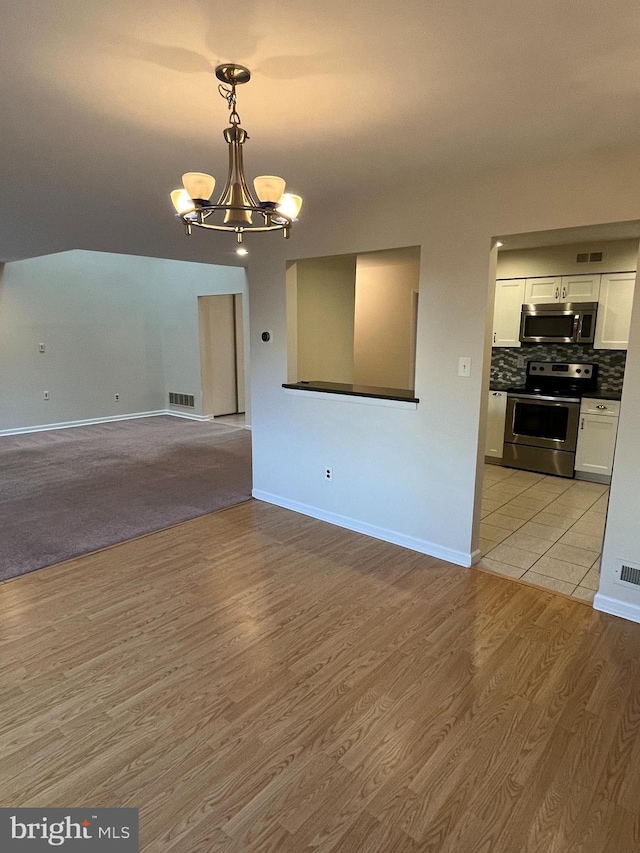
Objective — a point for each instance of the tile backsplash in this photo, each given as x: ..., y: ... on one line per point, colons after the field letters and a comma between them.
x: 505, y: 372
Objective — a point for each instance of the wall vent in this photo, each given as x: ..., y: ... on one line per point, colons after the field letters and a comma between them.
x: 186, y: 400
x: 628, y: 573
x: 588, y: 257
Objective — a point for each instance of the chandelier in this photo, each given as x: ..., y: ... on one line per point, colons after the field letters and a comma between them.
x: 237, y: 209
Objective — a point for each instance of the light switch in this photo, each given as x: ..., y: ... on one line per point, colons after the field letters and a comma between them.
x: 41, y: 347
x: 464, y: 366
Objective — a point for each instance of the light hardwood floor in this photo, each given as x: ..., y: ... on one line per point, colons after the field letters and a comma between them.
x: 255, y: 680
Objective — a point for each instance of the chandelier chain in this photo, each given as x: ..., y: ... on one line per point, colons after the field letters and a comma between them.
x: 229, y: 94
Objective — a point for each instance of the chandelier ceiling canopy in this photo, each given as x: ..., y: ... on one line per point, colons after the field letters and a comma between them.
x: 237, y: 209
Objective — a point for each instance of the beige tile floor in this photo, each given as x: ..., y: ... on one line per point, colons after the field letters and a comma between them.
x: 545, y: 530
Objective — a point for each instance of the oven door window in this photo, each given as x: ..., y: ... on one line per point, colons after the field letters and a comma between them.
x: 539, y: 421
x: 554, y: 326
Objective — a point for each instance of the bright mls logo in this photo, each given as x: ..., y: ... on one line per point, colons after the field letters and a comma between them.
x: 102, y: 830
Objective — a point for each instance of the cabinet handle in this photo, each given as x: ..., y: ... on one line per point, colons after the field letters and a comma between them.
x: 601, y: 407
x: 581, y: 423
x: 557, y: 291
x: 564, y: 293
x: 494, y: 337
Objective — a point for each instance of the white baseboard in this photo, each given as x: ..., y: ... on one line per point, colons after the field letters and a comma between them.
x: 107, y: 420
x: 460, y: 558
x: 188, y: 416
x: 615, y: 607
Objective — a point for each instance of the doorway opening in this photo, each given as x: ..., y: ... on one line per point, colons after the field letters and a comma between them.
x: 541, y: 521
x: 222, y: 357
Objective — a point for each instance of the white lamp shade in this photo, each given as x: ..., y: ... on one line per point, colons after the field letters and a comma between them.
x: 198, y: 184
x: 269, y: 188
x: 290, y: 205
x: 182, y: 201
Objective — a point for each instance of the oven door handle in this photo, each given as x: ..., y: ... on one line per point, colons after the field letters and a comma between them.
x: 542, y: 398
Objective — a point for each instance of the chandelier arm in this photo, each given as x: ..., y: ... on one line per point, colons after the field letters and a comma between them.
x: 232, y: 228
x: 208, y: 209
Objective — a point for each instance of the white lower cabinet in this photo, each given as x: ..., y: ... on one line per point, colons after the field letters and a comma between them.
x: 596, y: 439
x: 495, y: 423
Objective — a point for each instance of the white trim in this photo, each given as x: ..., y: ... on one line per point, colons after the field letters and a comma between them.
x: 187, y: 415
x: 615, y: 607
x: 107, y: 420
x: 351, y: 398
x: 460, y: 558
x: 588, y: 477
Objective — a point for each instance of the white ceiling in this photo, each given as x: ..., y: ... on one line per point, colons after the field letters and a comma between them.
x: 106, y: 102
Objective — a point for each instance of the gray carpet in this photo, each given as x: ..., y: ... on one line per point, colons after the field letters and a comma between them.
x: 71, y: 491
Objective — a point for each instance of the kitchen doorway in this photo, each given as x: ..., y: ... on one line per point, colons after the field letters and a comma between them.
x: 537, y: 526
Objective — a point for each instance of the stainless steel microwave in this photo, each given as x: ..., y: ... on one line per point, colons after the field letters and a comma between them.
x: 558, y: 323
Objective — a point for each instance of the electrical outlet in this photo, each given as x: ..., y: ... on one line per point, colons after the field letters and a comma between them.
x: 46, y: 395
x: 328, y: 474
x: 116, y: 397
x: 520, y: 361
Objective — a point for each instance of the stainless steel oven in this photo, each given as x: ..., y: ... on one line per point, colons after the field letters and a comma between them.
x: 541, y: 426
x: 541, y: 434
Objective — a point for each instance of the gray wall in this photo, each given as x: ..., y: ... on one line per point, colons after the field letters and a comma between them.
x: 414, y: 477
x: 617, y: 256
x: 110, y: 324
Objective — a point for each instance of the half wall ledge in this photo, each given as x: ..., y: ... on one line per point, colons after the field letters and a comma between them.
x: 394, y: 397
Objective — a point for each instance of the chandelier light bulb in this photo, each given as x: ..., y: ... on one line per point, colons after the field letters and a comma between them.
x: 290, y: 205
x: 269, y: 188
x: 198, y: 184
x: 182, y: 201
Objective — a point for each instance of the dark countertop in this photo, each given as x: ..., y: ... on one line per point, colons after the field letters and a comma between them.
x: 603, y: 395
x: 595, y: 395
x: 403, y: 394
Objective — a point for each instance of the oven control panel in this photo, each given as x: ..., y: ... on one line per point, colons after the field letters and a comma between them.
x: 561, y: 370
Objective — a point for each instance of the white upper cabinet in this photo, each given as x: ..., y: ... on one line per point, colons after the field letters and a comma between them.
x: 541, y: 290
x: 506, y: 314
x: 580, y: 288
x: 614, y: 310
x: 565, y: 288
